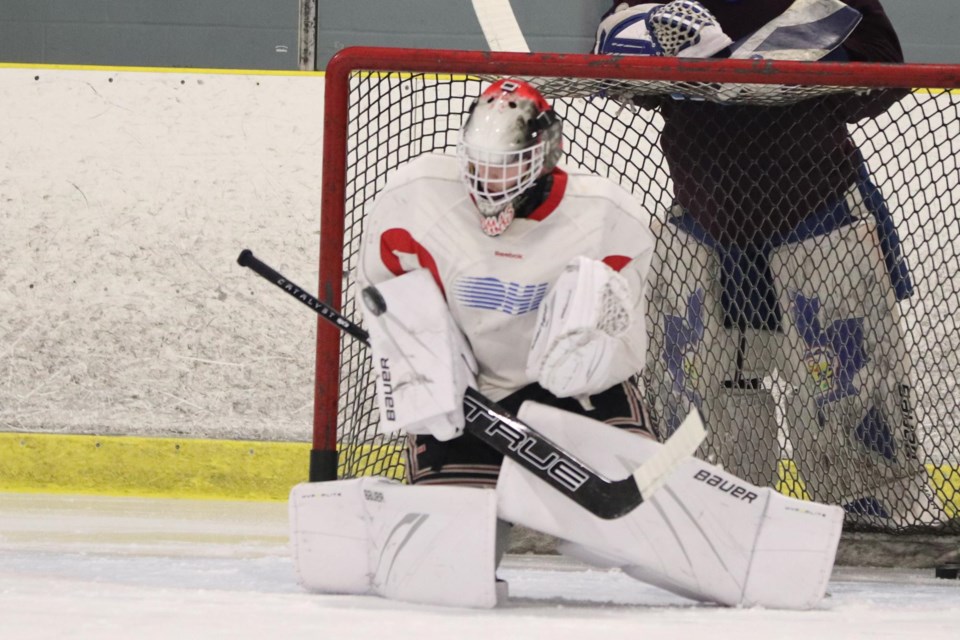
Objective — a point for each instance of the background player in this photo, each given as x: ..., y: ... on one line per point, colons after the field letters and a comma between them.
x: 777, y: 200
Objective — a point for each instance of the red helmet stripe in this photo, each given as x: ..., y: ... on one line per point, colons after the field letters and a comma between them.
x: 521, y: 89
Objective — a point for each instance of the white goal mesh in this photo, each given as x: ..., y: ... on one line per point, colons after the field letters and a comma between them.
x: 875, y: 430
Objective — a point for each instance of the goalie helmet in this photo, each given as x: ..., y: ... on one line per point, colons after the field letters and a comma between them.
x: 511, y: 138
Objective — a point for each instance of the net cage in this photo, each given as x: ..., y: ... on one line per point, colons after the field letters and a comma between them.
x: 805, y: 282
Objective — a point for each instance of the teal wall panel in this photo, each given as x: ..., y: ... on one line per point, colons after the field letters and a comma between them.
x: 241, y: 34
x: 265, y: 34
x: 928, y: 35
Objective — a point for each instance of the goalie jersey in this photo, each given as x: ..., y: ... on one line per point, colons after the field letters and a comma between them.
x: 493, y: 286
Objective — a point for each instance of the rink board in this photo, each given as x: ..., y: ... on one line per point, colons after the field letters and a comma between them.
x: 236, y: 469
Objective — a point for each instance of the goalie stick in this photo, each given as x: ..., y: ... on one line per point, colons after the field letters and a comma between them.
x: 498, y: 429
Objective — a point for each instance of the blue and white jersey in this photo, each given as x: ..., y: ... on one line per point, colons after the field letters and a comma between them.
x: 424, y: 218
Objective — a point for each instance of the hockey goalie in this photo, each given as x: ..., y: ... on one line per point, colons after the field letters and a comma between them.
x: 774, y: 302
x: 502, y: 270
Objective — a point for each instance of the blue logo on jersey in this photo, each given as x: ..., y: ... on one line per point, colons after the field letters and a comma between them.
x: 493, y: 294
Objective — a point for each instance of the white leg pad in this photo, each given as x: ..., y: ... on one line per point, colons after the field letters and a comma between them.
x: 846, y: 358
x: 690, y: 352
x: 745, y: 434
x: 794, y: 553
x: 705, y: 534
x: 902, y: 502
x: 693, y: 358
x: 329, y: 537
x: 425, y: 544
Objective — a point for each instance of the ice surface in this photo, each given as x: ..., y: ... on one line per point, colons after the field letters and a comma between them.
x: 112, y: 568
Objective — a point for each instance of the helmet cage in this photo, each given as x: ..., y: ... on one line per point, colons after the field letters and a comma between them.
x: 511, y: 138
x: 495, y: 178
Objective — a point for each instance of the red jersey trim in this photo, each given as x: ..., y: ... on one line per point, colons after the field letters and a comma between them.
x: 616, y: 262
x: 553, y: 200
x: 399, y: 240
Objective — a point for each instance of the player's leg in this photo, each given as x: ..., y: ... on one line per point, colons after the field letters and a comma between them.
x: 850, y: 412
x: 622, y: 406
x: 705, y: 534
x: 701, y: 357
x: 433, y: 545
x: 465, y: 461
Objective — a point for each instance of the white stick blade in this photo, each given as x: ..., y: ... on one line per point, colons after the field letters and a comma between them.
x: 682, y: 444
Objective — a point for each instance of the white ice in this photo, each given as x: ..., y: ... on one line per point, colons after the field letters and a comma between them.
x: 111, y: 568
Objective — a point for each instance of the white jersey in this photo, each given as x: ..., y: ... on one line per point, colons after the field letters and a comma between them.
x: 424, y: 218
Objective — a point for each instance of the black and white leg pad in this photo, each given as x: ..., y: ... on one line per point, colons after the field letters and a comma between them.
x: 426, y: 544
x: 850, y: 415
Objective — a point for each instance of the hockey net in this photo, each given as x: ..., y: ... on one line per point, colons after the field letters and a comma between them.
x: 851, y: 399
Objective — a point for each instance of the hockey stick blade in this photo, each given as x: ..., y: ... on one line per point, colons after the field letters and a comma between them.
x: 681, y: 445
x: 506, y: 434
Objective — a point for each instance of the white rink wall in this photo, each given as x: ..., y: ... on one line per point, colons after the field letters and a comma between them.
x: 125, y: 197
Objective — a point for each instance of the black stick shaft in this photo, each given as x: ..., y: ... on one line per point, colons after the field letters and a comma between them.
x: 247, y: 259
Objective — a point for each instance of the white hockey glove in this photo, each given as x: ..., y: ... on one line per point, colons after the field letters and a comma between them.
x: 575, y: 347
x: 682, y: 28
x: 421, y: 359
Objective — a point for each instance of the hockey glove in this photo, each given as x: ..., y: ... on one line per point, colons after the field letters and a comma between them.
x: 682, y: 28
x: 575, y: 348
x: 421, y: 359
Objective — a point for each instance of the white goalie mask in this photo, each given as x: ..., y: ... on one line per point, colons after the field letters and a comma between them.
x: 511, y: 138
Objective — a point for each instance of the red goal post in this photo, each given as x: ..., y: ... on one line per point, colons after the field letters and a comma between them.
x: 384, y: 107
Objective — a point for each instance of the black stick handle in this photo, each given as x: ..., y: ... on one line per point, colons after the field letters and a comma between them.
x: 247, y: 259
